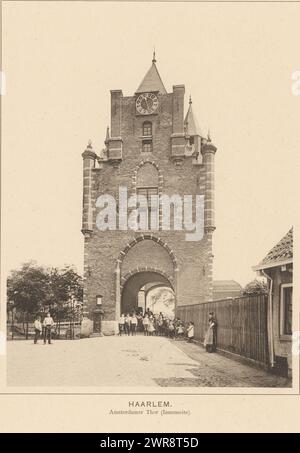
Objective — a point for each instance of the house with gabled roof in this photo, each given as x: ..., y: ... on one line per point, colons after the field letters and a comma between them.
x: 277, y: 267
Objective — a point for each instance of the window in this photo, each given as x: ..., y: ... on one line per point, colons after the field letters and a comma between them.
x: 152, y: 215
x: 147, y: 129
x: 147, y: 185
x: 286, y: 309
x: 147, y: 146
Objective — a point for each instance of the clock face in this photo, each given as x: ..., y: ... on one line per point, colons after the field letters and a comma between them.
x: 146, y: 103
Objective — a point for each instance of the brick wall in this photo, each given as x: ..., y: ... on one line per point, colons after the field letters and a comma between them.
x: 193, y: 275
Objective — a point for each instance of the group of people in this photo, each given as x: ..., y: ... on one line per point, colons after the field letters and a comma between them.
x: 154, y: 324
x: 161, y: 325
x: 148, y: 324
x: 43, y: 328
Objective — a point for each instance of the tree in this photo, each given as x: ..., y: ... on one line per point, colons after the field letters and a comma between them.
x: 255, y: 287
x: 33, y: 289
x: 27, y: 289
x: 65, y: 286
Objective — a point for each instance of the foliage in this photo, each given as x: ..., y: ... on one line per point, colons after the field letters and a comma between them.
x: 255, y: 287
x: 34, y: 289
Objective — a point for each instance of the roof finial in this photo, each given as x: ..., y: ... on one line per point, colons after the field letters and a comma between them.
x: 90, y: 144
x: 154, y: 59
x: 107, y: 136
x: 190, y: 101
x: 208, y: 136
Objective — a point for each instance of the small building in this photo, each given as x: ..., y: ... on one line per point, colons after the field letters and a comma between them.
x: 277, y: 267
x: 224, y: 289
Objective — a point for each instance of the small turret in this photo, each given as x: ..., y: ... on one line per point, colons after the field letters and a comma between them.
x: 193, y: 134
x: 89, y: 159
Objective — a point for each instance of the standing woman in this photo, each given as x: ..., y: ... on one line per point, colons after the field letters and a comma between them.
x: 210, y: 341
x: 151, y: 328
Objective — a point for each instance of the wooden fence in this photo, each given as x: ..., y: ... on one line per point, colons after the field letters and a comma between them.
x: 241, y: 325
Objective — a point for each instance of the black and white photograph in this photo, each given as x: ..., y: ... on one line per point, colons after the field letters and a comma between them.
x: 150, y: 168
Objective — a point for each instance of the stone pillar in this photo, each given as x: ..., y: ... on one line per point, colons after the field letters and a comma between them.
x: 89, y: 158
x: 116, y: 113
x: 118, y: 291
x: 115, y: 142
x: 178, y: 133
x: 208, y: 152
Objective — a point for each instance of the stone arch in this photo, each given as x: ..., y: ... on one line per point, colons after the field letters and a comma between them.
x: 166, y: 267
x: 148, y: 269
x: 159, y: 174
x: 150, y: 237
x: 132, y: 282
x: 147, y: 128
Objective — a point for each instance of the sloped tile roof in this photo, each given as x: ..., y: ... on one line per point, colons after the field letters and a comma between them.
x: 280, y: 253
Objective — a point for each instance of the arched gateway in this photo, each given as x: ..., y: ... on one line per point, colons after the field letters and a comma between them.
x: 150, y: 150
x: 133, y: 285
x: 146, y: 260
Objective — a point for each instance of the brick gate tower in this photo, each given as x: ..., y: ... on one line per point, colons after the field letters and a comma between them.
x: 150, y: 149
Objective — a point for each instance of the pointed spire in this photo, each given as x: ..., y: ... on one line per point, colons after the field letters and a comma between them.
x: 89, y: 145
x: 208, y: 136
x: 154, y: 59
x: 152, y: 80
x: 107, y: 135
x: 190, y: 122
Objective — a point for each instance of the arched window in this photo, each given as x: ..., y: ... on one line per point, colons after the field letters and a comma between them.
x: 147, y: 185
x: 147, y: 129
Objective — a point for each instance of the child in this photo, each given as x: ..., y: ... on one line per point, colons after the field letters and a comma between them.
x: 171, y: 329
x: 180, y: 330
x: 190, y: 332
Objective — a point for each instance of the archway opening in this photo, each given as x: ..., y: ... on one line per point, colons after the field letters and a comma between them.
x: 140, y: 285
x: 160, y: 299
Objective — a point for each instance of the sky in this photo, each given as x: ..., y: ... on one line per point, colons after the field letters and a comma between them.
x: 61, y: 59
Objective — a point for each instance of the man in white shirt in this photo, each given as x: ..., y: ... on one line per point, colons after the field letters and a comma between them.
x: 121, y: 324
x: 133, y: 325
x: 48, y: 323
x: 37, y: 329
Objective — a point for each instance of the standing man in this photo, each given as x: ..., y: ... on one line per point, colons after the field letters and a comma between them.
x: 37, y: 329
x: 127, y: 324
x: 48, y: 324
x: 121, y: 324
